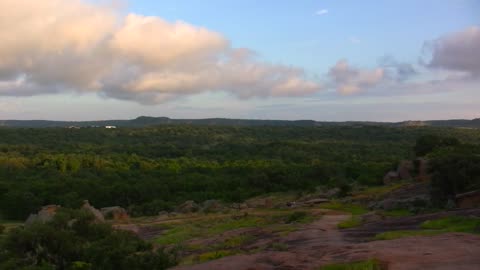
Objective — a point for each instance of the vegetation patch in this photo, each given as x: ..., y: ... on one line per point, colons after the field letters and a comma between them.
x: 401, y: 234
x: 353, y: 209
x: 454, y: 224
x: 214, y: 255
x: 435, y: 227
x: 353, y: 221
x: 377, y: 192
x: 209, y: 226
x: 364, y: 265
x: 397, y: 213
x: 299, y: 217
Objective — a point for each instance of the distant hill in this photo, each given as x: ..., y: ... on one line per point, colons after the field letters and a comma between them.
x: 144, y: 121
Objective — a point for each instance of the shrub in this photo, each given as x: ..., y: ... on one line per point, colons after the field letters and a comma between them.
x: 73, y: 241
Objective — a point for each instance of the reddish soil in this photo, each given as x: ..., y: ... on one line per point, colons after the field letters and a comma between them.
x: 321, y: 243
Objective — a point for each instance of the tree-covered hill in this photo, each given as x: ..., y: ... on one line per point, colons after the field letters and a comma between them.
x: 144, y: 121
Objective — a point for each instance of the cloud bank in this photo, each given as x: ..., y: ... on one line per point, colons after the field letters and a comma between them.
x: 53, y: 46
x: 56, y: 46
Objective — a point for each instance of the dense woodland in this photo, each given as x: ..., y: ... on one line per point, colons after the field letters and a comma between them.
x: 151, y: 169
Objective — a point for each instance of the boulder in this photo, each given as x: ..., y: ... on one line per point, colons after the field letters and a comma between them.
x: 96, y: 213
x: 115, y: 212
x: 259, y: 203
x: 212, y: 206
x: 391, y: 177
x: 404, y: 169
x: 239, y: 206
x: 188, y: 207
x: 45, y: 214
x: 316, y: 201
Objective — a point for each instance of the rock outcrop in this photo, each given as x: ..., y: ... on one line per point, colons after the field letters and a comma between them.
x: 212, y: 206
x: 45, y: 215
x: 96, y: 213
x: 188, y: 207
x: 115, y: 212
x: 413, y: 196
x: 468, y: 200
x: 404, y: 171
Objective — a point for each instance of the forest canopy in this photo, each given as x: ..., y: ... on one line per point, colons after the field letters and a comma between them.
x: 151, y: 169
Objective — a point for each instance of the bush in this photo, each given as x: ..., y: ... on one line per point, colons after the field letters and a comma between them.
x: 73, y: 241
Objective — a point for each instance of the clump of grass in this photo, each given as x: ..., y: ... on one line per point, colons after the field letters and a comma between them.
x: 435, y: 227
x: 278, y: 247
x: 378, y: 191
x: 353, y: 221
x: 177, y: 235
x: 214, y: 255
x: 401, y: 234
x: 364, y: 265
x: 397, y: 213
x: 353, y: 209
x: 297, y: 217
x: 236, y: 241
x: 454, y: 224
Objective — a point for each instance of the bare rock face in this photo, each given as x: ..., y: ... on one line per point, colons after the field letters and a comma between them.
x: 96, y: 213
x: 372, y: 217
x: 468, y: 200
x: 412, y: 196
x: 115, y: 212
x: 188, y: 207
x: 421, y: 165
x: 45, y: 215
x: 404, y: 169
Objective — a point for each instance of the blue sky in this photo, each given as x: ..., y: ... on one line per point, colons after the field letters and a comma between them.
x: 303, y: 42
x: 291, y: 32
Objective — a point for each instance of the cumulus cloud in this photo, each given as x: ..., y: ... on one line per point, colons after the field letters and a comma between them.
x: 350, y: 80
x: 55, y: 46
x: 458, y: 51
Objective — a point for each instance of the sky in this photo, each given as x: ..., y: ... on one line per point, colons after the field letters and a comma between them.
x: 322, y: 60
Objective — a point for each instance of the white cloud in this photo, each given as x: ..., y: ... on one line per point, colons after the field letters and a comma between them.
x: 321, y: 12
x: 54, y: 46
x: 349, y: 80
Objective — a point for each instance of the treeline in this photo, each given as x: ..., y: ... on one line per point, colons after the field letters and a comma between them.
x: 151, y: 169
